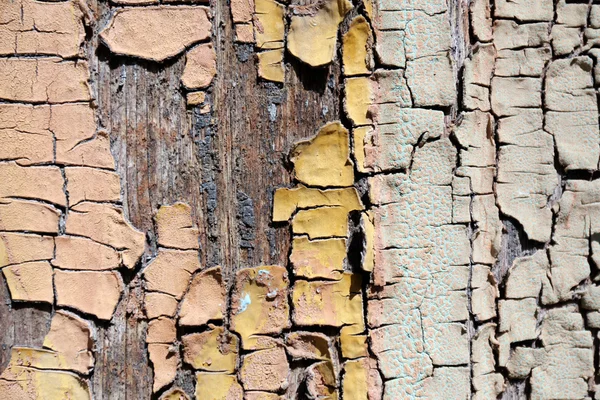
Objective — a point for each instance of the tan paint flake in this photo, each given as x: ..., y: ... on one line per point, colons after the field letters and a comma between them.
x: 321, y: 381
x: 77, y: 142
x: 31, y: 281
x: 29, y: 216
x: 214, y: 350
x: 200, y: 67
x: 91, y: 184
x: 195, y: 98
x: 161, y: 330
x: 48, y: 80
x: 157, y: 32
x: 17, y: 248
x: 205, y: 299
x: 165, y: 361
x: 312, y: 35
x: 106, y: 224
x: 244, y: 33
x: 159, y: 304
x: 71, y: 337
x: 265, y: 370
x: 35, y: 27
x: 324, y: 160
x: 43, y: 183
x: 74, y: 252
x: 91, y: 292
x: 259, y: 303
x: 176, y: 228
x: 170, y: 271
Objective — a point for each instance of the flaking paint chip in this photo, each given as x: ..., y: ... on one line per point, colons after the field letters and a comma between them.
x: 17, y: 248
x: 74, y: 252
x: 216, y: 386
x: 176, y: 228
x: 156, y: 33
x: 324, y: 160
x: 92, y: 292
x: 357, y: 57
x: 259, y: 303
x: 318, y: 258
x: 31, y: 281
x: 200, y: 67
x: 312, y: 35
x: 170, y: 271
x: 265, y: 370
x: 205, y: 299
x: 165, y: 362
x: 214, y: 350
x: 322, y: 222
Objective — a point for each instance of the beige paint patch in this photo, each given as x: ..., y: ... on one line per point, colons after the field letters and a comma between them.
x: 200, y: 67
x: 195, y: 98
x: 312, y: 35
x: 17, y: 248
x: 91, y: 292
x: 73, y: 252
x: 31, y: 281
x: 244, y: 33
x: 170, y: 271
x: 47, y: 80
x: 205, y: 300
x: 176, y: 228
x: 106, y: 224
x: 157, y: 32
x: 214, y: 350
x: 324, y: 160
x: 259, y: 303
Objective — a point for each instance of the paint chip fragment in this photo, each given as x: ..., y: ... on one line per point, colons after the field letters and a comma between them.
x: 214, y: 350
x: 156, y: 33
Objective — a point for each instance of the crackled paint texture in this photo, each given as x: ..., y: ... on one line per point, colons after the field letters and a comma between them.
x: 409, y: 210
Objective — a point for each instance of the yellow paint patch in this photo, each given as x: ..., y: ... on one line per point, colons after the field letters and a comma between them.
x: 270, y: 65
x: 213, y: 350
x: 210, y: 386
x: 332, y: 303
x: 260, y: 303
x: 287, y: 201
x: 269, y: 26
x: 356, y: 57
x: 318, y: 258
x: 324, y: 160
x: 355, y: 382
x: 174, y: 394
x: 322, y: 222
x: 313, y: 32
x: 359, y: 95
x: 20, y: 383
x: 353, y: 346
